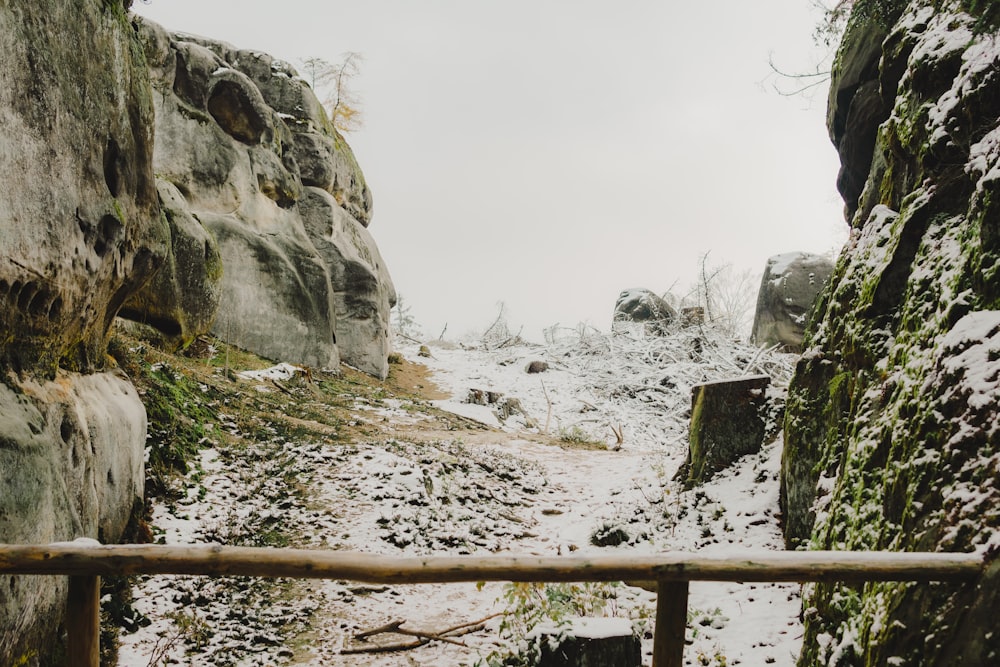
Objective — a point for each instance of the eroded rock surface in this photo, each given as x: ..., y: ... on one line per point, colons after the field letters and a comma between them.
x: 182, y: 299
x: 789, y: 289
x: 78, y: 194
x: 254, y: 161
x: 80, y: 231
x: 893, y: 425
x: 641, y: 305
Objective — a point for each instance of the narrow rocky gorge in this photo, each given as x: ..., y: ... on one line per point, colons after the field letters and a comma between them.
x: 168, y: 195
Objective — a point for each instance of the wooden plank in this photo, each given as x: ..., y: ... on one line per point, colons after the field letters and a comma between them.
x: 671, y: 624
x: 765, y: 566
x: 83, y: 621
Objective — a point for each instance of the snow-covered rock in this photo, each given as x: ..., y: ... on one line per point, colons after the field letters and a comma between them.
x: 790, y: 286
x: 891, y: 434
x: 641, y: 305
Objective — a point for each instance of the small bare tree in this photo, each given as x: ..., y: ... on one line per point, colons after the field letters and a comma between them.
x: 727, y: 295
x: 333, y: 83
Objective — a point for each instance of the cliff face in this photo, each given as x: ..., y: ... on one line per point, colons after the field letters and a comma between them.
x: 893, y: 416
x: 80, y: 232
x: 78, y: 189
x: 247, y: 157
x: 255, y: 221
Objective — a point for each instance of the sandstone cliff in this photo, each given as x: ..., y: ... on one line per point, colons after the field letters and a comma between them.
x: 254, y: 224
x: 80, y: 231
x: 893, y: 422
x: 274, y: 210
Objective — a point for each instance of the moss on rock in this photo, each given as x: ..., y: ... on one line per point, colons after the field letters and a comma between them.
x: 891, y: 426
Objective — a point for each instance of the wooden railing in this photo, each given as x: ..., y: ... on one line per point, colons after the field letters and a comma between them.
x: 672, y: 571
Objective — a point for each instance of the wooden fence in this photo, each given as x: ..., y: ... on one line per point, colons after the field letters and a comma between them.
x: 672, y: 571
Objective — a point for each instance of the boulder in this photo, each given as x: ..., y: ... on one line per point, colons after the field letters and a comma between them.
x: 253, y: 159
x: 71, y: 466
x: 790, y: 286
x: 277, y: 297
x: 363, y: 292
x: 728, y: 420
x: 891, y: 429
x: 80, y: 232
x: 641, y: 305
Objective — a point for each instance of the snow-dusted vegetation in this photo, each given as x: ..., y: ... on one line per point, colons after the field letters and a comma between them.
x: 579, y: 458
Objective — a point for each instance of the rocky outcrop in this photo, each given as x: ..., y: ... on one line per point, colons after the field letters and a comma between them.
x: 71, y: 466
x: 255, y: 163
x: 641, y: 305
x: 789, y: 289
x: 80, y: 231
x: 892, y: 435
x: 78, y: 194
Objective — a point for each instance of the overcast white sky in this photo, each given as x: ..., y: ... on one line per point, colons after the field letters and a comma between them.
x: 551, y: 153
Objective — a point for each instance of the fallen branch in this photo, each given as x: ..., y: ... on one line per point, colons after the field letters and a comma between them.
x: 281, y: 387
x: 385, y: 648
x: 409, y: 338
x: 423, y: 636
x: 388, y: 627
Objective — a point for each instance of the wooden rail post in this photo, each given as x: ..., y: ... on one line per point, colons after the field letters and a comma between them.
x: 83, y: 621
x: 671, y: 623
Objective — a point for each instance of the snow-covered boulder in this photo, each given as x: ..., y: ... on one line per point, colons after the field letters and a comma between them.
x: 790, y: 286
x: 641, y: 305
x: 892, y: 432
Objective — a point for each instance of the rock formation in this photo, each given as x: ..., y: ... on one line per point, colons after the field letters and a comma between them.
x: 80, y: 231
x: 257, y: 224
x: 641, y: 305
x: 790, y: 286
x: 728, y: 420
x: 251, y: 163
x: 182, y: 299
x: 893, y: 418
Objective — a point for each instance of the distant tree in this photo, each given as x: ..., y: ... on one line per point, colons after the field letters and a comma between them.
x: 727, y: 296
x: 332, y: 83
x: 403, y: 323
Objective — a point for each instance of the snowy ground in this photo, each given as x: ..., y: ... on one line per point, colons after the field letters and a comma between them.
x: 549, y: 479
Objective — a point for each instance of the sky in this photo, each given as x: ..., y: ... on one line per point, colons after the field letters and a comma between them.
x: 548, y: 154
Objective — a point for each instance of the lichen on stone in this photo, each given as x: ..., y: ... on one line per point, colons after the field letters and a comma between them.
x: 891, y: 437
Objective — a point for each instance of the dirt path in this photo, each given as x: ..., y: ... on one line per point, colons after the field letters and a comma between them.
x: 343, y: 462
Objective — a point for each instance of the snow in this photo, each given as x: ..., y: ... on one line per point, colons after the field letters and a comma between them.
x: 281, y: 371
x: 779, y: 264
x: 589, y: 628
x: 547, y: 482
